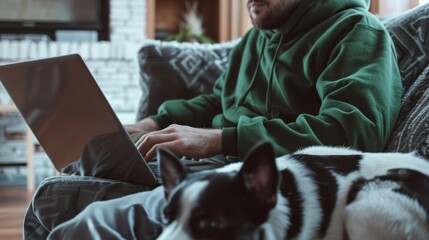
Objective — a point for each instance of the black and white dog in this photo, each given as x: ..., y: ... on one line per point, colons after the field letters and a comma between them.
x: 315, y: 193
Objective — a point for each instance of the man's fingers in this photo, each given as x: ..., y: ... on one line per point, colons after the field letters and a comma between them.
x: 183, y: 141
x: 172, y: 145
x: 149, y: 140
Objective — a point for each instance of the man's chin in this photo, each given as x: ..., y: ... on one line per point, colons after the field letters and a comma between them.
x: 254, y: 16
x: 257, y: 24
x: 256, y: 21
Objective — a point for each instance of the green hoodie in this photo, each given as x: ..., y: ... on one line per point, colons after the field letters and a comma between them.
x: 329, y: 76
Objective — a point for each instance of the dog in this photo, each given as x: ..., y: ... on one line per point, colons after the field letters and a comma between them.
x: 314, y: 193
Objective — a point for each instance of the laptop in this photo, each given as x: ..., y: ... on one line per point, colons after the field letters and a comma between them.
x: 71, y: 118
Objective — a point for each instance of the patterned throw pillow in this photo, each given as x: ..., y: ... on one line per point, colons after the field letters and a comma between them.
x: 171, y: 70
x: 410, y: 33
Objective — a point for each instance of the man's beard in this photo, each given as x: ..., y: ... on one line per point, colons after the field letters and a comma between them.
x: 275, y: 16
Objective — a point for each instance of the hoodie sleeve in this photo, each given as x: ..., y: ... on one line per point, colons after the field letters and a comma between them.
x: 196, y: 112
x: 360, y: 91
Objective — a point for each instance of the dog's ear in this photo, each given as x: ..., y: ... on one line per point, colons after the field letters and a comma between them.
x: 171, y: 170
x: 260, y: 176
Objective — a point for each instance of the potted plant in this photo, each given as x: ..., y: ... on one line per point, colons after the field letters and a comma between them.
x: 191, y: 28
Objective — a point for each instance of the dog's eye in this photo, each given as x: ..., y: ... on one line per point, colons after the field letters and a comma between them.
x: 203, y: 227
x: 209, y: 227
x: 205, y: 224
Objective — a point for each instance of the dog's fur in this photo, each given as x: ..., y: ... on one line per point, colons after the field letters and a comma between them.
x: 315, y: 193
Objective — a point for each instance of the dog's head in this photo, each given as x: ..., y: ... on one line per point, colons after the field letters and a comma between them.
x: 218, y: 204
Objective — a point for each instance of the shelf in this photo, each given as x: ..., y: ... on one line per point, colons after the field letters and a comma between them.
x: 31, y: 184
x: 13, y: 164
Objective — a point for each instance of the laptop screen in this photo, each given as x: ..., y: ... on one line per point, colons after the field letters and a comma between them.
x: 62, y: 107
x: 69, y: 115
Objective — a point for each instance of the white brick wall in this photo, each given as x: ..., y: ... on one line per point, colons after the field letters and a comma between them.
x: 113, y: 63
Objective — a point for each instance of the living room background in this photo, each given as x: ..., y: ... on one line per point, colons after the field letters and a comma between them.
x: 113, y: 64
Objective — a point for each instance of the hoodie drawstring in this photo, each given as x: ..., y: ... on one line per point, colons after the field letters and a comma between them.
x: 270, y: 78
x: 243, y: 97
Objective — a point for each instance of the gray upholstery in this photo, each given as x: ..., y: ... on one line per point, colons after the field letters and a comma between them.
x: 172, y: 70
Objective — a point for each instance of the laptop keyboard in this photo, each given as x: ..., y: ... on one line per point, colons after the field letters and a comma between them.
x: 154, y: 170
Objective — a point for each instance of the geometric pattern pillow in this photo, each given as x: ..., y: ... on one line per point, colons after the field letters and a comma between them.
x: 410, y: 33
x: 171, y: 70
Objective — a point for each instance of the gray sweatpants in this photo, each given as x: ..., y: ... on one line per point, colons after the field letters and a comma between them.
x: 136, y: 216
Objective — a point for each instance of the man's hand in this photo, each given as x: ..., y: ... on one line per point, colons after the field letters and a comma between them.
x: 182, y: 141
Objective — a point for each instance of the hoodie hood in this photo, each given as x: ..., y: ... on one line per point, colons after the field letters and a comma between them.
x: 307, y: 14
x: 314, y: 12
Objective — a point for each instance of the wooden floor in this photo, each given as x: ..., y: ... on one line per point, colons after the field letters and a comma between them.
x: 13, y: 204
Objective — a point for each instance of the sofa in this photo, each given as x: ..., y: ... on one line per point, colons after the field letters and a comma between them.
x: 170, y: 70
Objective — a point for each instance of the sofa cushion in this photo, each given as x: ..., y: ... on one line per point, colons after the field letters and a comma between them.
x: 410, y: 32
x: 171, y: 70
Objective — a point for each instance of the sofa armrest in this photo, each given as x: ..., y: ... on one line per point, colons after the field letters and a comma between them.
x: 171, y: 70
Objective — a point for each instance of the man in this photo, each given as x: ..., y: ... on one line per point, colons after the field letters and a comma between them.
x: 310, y: 72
